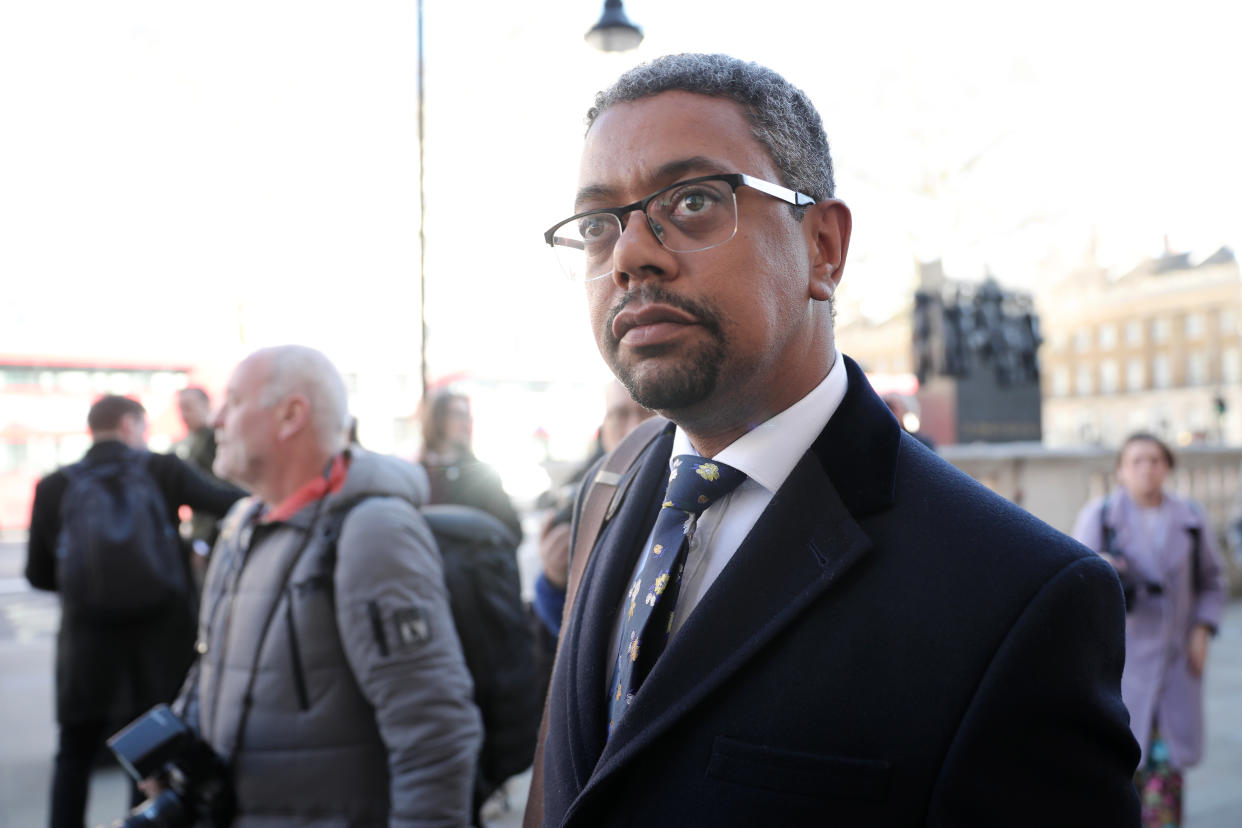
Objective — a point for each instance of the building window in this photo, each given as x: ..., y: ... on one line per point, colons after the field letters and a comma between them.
x: 1083, y: 383
x: 1228, y: 321
x: 1061, y: 381
x: 1109, y: 376
x: 1134, y: 332
x: 1107, y: 337
x: 1161, y: 372
x: 1197, y: 368
x: 1160, y: 329
x: 1082, y: 340
x: 1192, y: 325
x: 1134, y: 375
x: 1231, y: 366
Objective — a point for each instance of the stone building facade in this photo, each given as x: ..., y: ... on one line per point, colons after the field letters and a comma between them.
x: 1158, y: 348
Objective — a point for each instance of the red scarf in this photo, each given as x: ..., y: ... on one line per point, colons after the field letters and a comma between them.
x: 310, y: 491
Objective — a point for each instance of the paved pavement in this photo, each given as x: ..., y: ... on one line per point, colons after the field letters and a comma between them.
x: 27, y: 731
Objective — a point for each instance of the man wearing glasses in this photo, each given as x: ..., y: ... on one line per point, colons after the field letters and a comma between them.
x: 797, y: 615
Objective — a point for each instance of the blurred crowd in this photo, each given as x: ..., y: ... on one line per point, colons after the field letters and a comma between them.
x: 773, y: 604
x: 115, y: 664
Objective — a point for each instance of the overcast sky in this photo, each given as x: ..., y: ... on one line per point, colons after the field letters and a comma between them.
x: 241, y: 173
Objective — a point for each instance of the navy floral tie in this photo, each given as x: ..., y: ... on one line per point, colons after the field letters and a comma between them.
x: 647, y: 617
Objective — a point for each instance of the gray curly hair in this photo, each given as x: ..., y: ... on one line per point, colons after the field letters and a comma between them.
x: 781, y: 116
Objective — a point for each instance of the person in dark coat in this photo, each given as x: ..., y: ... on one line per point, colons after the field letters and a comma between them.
x: 456, y: 475
x: 855, y: 633
x: 107, y: 674
x: 199, y: 444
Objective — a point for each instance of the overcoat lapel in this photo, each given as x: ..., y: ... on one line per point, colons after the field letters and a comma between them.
x: 784, y: 564
x: 589, y: 649
x: 806, y: 539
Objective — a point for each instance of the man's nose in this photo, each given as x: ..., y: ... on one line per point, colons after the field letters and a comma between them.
x: 638, y: 253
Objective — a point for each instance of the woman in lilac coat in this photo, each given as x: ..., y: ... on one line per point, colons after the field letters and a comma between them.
x: 1165, y: 551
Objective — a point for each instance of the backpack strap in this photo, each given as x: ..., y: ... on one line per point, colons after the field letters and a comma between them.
x: 599, y: 500
x: 596, y: 504
x: 1196, y: 573
x: 248, y: 696
x: 1107, y: 533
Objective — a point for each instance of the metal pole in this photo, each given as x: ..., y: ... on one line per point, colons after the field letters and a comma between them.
x: 422, y: 218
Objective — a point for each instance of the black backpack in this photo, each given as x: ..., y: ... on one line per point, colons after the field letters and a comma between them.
x: 485, y: 595
x: 117, y: 554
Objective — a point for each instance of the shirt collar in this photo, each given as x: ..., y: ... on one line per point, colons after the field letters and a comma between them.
x: 768, y: 453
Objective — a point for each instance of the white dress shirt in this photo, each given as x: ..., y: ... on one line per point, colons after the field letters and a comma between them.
x: 766, y: 454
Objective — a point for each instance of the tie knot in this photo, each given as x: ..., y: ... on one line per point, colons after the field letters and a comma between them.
x: 696, y: 483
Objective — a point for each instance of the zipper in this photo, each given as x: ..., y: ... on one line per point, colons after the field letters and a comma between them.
x: 230, y: 586
x: 295, y: 655
x: 238, y: 546
x: 377, y: 627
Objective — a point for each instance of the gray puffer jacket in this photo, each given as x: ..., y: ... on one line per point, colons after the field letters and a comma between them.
x: 360, y: 710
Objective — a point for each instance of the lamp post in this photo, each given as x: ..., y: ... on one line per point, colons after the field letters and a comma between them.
x: 422, y: 218
x: 614, y: 32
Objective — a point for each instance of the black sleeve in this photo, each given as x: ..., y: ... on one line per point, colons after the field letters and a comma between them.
x: 184, y: 485
x: 44, y: 527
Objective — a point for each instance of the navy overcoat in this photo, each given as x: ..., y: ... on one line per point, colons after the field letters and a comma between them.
x: 893, y: 644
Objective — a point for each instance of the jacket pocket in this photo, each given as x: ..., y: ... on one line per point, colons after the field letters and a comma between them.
x: 814, y: 775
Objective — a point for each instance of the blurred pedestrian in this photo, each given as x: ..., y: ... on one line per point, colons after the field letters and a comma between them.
x: 198, y: 448
x: 331, y: 680
x: 456, y: 475
x: 1164, y: 549
x: 126, y: 634
x: 1233, y: 529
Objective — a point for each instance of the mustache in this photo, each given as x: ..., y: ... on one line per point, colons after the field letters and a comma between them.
x: 657, y: 295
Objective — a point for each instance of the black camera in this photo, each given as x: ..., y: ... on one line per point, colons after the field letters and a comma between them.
x: 197, y: 788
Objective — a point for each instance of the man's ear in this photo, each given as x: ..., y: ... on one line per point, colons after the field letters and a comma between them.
x: 292, y: 415
x: 827, y: 226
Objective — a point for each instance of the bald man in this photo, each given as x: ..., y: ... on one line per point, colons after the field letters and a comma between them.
x: 331, y: 678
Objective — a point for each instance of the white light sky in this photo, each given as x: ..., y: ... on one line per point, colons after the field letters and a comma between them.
x: 233, y: 174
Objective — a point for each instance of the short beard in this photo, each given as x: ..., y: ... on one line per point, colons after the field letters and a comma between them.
x: 685, y: 384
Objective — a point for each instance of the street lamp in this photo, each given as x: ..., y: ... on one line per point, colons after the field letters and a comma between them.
x: 614, y: 32
x: 422, y: 215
